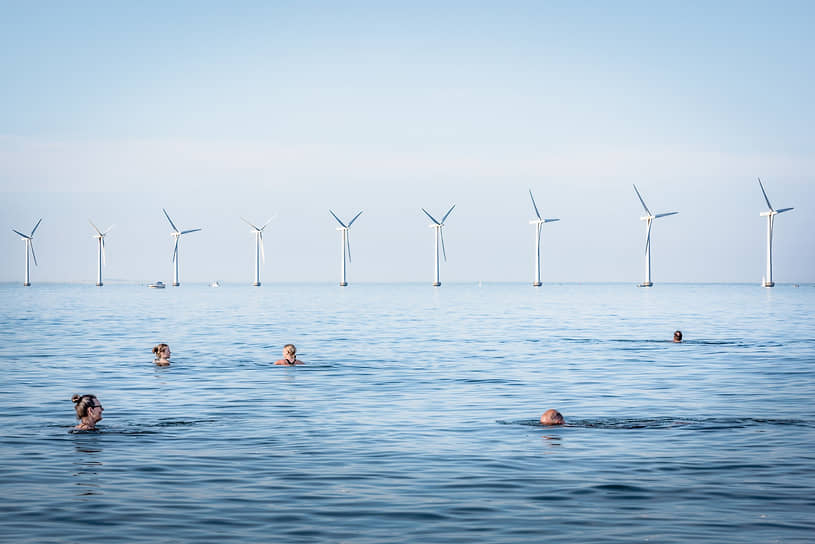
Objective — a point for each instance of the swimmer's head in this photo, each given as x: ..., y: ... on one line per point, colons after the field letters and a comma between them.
x: 87, y: 407
x: 161, y: 351
x: 678, y: 336
x: 289, y: 351
x: 552, y: 417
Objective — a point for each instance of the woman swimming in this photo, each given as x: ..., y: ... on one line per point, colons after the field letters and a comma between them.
x: 289, y: 356
x: 162, y: 353
x: 88, y: 411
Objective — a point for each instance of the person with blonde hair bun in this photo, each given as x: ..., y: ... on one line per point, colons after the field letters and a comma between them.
x: 162, y: 353
x: 88, y: 411
x: 289, y: 356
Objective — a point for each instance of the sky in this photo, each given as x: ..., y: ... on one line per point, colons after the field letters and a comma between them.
x: 222, y: 110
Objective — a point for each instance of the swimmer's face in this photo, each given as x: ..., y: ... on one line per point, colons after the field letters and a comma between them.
x: 94, y: 412
x: 164, y: 353
x: 290, y: 355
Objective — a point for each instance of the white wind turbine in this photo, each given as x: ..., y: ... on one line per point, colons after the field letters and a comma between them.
x: 100, y: 252
x: 539, y: 226
x: 176, y: 234
x: 768, y: 279
x: 438, y: 225
x: 648, y: 218
x: 29, y: 247
x: 346, y: 243
x: 259, y: 253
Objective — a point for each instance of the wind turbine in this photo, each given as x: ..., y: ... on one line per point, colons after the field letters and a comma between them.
x: 648, y: 218
x: 29, y: 246
x: 259, y: 253
x: 438, y: 225
x: 176, y: 233
x: 539, y: 226
x: 100, y: 236
x: 768, y: 279
x: 346, y: 243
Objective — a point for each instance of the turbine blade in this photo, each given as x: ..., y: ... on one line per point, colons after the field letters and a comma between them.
x: 648, y: 239
x: 31, y: 245
x: 266, y: 224
x: 99, y: 232
x: 110, y: 228
x: 348, y: 245
x: 534, y: 205
x: 104, y: 260
x: 170, y: 220
x: 262, y: 253
x: 642, y: 201
x: 175, y: 250
x: 338, y: 219
x: 35, y: 227
x: 26, y: 236
x: 550, y: 220
x: 430, y: 216
x: 351, y: 222
x: 443, y: 219
x: 665, y: 214
x: 782, y: 210
x: 189, y: 231
x: 250, y: 224
x: 765, y: 195
x: 443, y: 252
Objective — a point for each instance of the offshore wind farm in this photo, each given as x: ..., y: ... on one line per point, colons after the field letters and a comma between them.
x: 439, y: 247
x: 671, y: 329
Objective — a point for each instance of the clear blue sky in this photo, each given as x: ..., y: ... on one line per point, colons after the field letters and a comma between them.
x: 111, y: 111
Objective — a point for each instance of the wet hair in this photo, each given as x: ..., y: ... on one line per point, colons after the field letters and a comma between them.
x: 82, y: 403
x: 289, y: 348
x: 678, y: 336
x: 157, y: 349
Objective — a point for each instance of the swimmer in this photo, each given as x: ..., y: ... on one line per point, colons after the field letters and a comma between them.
x: 678, y: 336
x: 289, y: 356
x: 162, y: 353
x: 88, y: 411
x: 551, y: 417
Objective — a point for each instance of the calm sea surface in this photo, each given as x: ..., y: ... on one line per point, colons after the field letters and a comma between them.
x: 415, y: 417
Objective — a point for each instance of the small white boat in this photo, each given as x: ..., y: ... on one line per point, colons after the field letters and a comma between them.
x: 156, y: 285
x: 215, y: 284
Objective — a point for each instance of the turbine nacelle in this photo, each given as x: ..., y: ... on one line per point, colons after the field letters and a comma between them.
x: 29, y: 241
x: 346, y: 241
x: 176, y: 233
x: 439, y: 231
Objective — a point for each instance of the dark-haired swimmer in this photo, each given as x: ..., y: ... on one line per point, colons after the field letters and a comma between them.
x: 289, y: 356
x: 677, y: 336
x: 552, y: 417
x: 88, y: 411
x: 162, y: 353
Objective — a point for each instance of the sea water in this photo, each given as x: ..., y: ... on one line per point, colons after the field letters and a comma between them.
x: 415, y: 416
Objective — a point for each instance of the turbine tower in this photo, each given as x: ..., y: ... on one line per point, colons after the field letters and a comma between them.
x: 648, y: 218
x: 176, y: 233
x: 768, y: 279
x: 29, y: 247
x: 346, y: 243
x: 539, y: 226
x: 259, y: 253
x: 100, y: 252
x: 438, y: 225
